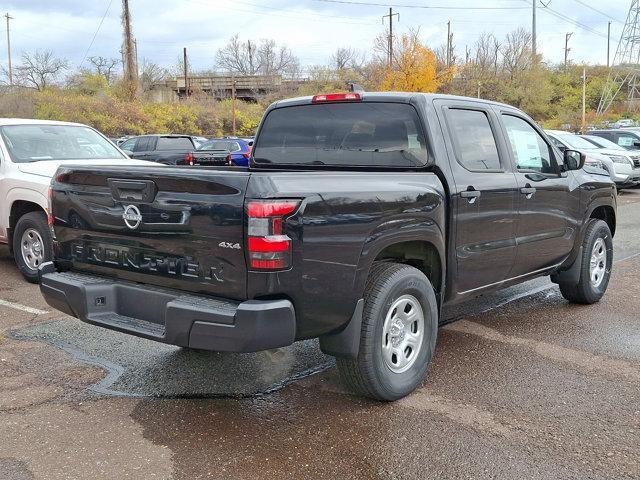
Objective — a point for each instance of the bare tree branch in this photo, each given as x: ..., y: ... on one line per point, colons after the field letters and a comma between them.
x: 39, y: 69
x: 105, y: 66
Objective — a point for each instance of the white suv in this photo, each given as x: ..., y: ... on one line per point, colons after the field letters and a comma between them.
x: 30, y: 153
x: 616, y: 162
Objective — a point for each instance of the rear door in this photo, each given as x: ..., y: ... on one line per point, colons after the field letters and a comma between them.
x: 179, y: 228
x: 143, y: 148
x: 545, y: 231
x: 484, y: 199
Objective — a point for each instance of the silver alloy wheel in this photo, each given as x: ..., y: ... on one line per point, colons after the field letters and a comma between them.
x: 598, y: 263
x: 402, y: 334
x: 32, y: 248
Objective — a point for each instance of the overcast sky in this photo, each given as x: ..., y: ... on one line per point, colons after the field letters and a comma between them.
x: 313, y: 29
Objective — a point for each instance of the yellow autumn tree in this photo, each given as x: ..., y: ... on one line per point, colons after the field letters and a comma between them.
x: 414, y: 68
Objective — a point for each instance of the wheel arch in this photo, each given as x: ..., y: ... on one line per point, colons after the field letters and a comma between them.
x: 421, y: 254
x: 18, y: 209
x: 606, y: 213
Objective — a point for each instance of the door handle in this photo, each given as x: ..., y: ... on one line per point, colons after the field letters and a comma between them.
x: 528, y: 190
x: 470, y: 194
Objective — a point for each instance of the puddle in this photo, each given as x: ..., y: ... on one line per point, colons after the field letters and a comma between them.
x: 137, y: 367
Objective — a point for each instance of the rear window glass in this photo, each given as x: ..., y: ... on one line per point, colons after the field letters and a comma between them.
x: 220, y: 145
x: 174, y: 143
x: 474, y: 141
x: 345, y: 134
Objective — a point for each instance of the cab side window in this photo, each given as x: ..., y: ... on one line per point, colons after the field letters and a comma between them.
x: 530, y: 151
x: 473, y: 140
x: 627, y: 141
x: 128, y: 145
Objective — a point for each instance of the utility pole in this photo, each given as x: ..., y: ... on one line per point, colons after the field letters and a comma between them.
x: 185, y: 65
x: 131, y: 68
x: 449, y: 44
x: 566, y: 48
x: 233, y: 106
x: 9, y: 48
x: 251, y: 72
x: 608, y: 42
x: 533, y: 31
x: 390, y: 39
x: 584, y: 100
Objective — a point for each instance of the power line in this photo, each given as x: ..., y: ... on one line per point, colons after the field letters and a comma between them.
x: 570, y: 20
x: 431, y: 7
x: 287, y: 10
x: 598, y: 11
x: 95, y: 34
x: 573, y: 22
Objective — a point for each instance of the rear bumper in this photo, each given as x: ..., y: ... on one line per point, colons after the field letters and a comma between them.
x: 170, y: 316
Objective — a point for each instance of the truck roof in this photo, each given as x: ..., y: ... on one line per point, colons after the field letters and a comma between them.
x: 391, y: 96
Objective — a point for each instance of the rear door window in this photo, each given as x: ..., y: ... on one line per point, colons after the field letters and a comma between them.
x: 144, y: 144
x: 343, y: 134
x: 174, y: 143
x: 473, y: 139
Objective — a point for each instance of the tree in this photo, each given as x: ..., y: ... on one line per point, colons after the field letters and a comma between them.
x: 414, y: 67
x: 105, y: 66
x: 151, y: 73
x: 346, y: 59
x: 39, y: 69
x: 263, y: 58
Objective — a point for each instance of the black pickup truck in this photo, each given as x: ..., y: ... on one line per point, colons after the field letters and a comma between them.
x: 166, y: 149
x: 361, y: 215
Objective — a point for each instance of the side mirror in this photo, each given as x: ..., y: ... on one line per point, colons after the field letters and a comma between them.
x: 573, y: 159
x: 128, y: 152
x: 636, y: 144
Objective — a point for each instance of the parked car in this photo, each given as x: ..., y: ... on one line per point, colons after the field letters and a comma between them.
x: 167, y: 149
x: 362, y: 215
x: 624, y: 123
x: 213, y: 152
x: 30, y: 153
x: 620, y: 167
x: 628, y: 138
x: 602, y: 142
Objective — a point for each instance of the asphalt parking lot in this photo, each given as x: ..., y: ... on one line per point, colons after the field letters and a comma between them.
x: 523, y: 385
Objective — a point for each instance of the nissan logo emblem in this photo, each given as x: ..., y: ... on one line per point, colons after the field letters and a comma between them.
x: 132, y: 217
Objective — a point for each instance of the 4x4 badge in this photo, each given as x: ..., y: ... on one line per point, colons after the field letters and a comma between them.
x: 132, y: 217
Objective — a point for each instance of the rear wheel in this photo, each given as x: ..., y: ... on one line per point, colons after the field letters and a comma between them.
x: 398, y: 336
x: 32, y: 244
x: 597, y: 259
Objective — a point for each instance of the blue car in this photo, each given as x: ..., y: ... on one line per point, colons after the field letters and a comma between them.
x: 238, y: 150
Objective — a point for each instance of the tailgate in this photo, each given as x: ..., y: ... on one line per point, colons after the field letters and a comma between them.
x: 210, y: 157
x: 175, y: 227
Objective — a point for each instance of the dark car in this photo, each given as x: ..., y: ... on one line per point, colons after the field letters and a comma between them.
x: 360, y: 217
x: 167, y: 149
x: 221, y: 151
x: 628, y: 138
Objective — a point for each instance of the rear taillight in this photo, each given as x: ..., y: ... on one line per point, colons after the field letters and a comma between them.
x: 247, y: 155
x: 269, y: 248
x: 228, y: 159
x: 50, y: 219
x: 188, y: 159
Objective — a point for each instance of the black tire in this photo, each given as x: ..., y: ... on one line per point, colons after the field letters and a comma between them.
x: 368, y: 375
x: 38, y: 222
x: 585, y: 292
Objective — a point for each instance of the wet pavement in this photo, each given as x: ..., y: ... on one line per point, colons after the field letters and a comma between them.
x: 523, y: 385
